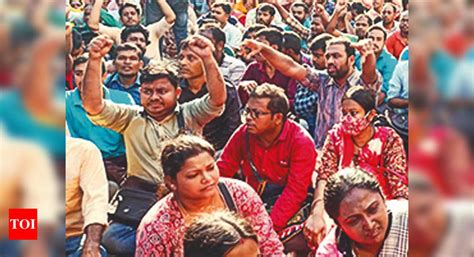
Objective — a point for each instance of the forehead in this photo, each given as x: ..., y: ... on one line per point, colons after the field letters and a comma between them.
x: 357, y: 201
x: 258, y: 103
x: 362, y: 19
x: 349, y: 104
x: 80, y: 66
x: 136, y: 34
x: 185, y: 51
x: 162, y: 83
x: 263, y: 39
x: 297, y: 8
x: 336, y: 48
x: 260, y: 11
x: 375, y: 33
x: 388, y: 8
x: 127, y: 53
x: 217, y: 9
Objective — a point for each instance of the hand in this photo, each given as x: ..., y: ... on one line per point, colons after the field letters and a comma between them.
x: 248, y: 86
x: 341, y: 7
x: 99, y: 47
x: 254, y: 46
x: 320, y: 10
x: 201, y: 46
x: 365, y: 47
x: 315, y: 228
x: 69, y: 26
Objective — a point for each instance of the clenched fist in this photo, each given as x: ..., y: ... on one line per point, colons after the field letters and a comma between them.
x: 99, y: 47
x: 365, y: 47
x: 201, y: 46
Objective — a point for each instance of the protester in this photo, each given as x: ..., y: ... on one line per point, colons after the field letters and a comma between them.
x: 193, y: 178
x: 367, y: 224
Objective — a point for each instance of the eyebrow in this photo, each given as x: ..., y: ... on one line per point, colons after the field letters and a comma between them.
x: 366, y: 208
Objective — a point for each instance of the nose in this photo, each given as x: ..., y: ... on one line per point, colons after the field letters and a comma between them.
x: 368, y: 224
x: 206, y: 177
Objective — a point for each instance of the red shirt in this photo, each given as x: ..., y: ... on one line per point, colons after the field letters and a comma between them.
x: 289, y: 162
x: 395, y: 44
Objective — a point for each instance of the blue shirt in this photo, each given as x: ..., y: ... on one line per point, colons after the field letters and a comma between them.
x: 386, y: 63
x: 18, y: 122
x: 113, y: 82
x: 399, y: 83
x: 109, y: 142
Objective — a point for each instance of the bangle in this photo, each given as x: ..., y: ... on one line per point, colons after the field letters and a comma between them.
x: 313, y: 204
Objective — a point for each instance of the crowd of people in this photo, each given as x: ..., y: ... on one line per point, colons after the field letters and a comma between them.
x: 247, y: 128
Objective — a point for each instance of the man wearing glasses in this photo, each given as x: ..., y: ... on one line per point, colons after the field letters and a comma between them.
x: 273, y: 152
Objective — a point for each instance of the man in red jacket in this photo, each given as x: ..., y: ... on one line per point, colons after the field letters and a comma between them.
x: 273, y: 150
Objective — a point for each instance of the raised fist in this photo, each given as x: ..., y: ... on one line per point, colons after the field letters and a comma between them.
x: 365, y: 47
x: 99, y: 47
x: 201, y: 46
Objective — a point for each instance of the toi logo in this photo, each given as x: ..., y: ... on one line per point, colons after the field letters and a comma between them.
x: 22, y: 224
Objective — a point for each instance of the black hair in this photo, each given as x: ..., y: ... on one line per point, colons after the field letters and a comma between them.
x: 273, y: 36
x: 301, y: 4
x: 76, y: 39
x: 350, y: 51
x: 377, y: 27
x: 364, y: 97
x: 340, y: 184
x: 292, y: 41
x: 80, y: 60
x: 217, y: 33
x: 320, y: 42
x: 224, y: 5
x: 127, y: 47
x: 176, y: 151
x: 358, y: 7
x: 367, y: 17
x: 265, y: 7
x: 215, y: 234
x: 134, y: 29
x: 126, y: 5
x: 253, y: 28
x: 278, y: 100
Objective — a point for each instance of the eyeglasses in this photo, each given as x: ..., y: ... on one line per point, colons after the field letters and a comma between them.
x: 254, y: 113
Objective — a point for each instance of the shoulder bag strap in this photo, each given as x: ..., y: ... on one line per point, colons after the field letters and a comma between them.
x: 249, y: 156
x: 227, y: 197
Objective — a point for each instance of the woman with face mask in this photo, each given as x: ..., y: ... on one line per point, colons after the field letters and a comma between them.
x: 192, y: 176
x: 356, y: 142
x: 367, y: 224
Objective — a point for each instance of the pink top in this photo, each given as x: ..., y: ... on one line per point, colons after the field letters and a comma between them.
x: 162, y: 229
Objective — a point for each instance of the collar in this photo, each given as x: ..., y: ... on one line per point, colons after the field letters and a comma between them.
x: 398, y: 35
x: 185, y: 85
x: 351, y: 80
x: 115, y: 79
x: 285, y: 131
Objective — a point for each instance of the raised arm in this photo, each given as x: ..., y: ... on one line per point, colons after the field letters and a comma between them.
x: 291, y: 21
x: 94, y: 18
x: 203, y: 48
x: 92, y: 86
x: 332, y: 25
x: 367, y: 55
x: 280, y: 61
x: 170, y: 16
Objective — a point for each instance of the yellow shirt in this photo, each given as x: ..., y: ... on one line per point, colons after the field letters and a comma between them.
x: 87, y: 192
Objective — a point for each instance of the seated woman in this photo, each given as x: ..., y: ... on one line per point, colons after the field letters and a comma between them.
x: 367, y: 225
x: 193, y: 178
x: 220, y: 234
x: 357, y: 142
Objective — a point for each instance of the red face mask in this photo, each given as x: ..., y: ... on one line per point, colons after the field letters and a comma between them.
x: 354, y: 126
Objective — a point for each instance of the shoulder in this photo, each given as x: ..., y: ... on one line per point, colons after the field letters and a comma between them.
x: 80, y: 146
x: 118, y: 96
x: 160, y: 215
x: 299, y: 134
x: 235, y: 186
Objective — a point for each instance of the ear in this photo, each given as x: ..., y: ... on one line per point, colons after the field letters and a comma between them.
x: 141, y: 64
x: 351, y: 60
x: 278, y: 118
x: 372, y: 115
x: 178, y: 92
x: 170, y: 183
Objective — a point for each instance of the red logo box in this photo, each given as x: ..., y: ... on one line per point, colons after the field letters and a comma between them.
x: 22, y: 224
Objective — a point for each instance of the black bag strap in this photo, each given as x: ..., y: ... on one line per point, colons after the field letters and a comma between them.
x: 249, y: 156
x: 180, y: 118
x: 227, y: 197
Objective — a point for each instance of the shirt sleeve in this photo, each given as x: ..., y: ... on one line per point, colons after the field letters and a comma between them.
x: 252, y: 209
x: 387, y: 73
x: 303, y: 159
x: 112, y: 32
x: 328, y: 164
x: 297, y: 27
x: 115, y: 116
x: 395, y: 160
x: 313, y: 79
x: 159, y: 28
x: 305, y: 101
x: 232, y: 154
x: 199, y: 112
x: 395, y: 84
x: 94, y: 185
